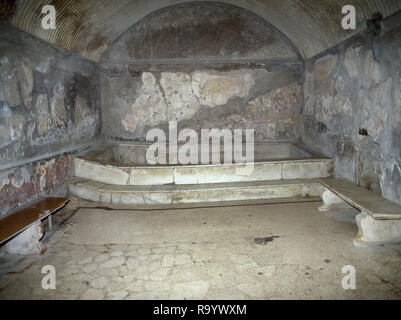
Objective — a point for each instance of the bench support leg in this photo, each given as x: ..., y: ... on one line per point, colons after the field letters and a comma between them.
x: 50, y: 222
x: 372, y: 230
x: 332, y: 202
x: 28, y: 241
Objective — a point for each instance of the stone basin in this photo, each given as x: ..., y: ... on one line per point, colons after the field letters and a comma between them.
x: 125, y: 164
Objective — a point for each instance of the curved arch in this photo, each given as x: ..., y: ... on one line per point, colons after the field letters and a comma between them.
x: 212, y: 5
x: 88, y: 27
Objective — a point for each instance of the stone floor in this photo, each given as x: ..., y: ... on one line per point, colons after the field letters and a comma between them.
x: 241, y: 250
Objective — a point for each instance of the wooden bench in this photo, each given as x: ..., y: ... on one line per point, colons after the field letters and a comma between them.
x: 17, y: 223
x: 379, y: 220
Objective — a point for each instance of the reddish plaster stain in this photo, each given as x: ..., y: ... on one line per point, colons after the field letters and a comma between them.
x: 53, y: 174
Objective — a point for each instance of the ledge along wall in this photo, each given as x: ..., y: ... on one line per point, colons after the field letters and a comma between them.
x: 49, y: 108
x: 346, y: 91
x: 204, y: 65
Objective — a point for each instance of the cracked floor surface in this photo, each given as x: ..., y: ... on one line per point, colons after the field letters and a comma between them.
x: 248, y: 251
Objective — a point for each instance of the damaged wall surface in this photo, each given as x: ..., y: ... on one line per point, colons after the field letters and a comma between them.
x: 23, y: 184
x: 352, y: 111
x: 49, y: 105
x: 204, y: 65
x: 200, y: 31
x: 245, y: 98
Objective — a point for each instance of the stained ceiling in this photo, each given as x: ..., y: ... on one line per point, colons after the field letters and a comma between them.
x: 89, y: 27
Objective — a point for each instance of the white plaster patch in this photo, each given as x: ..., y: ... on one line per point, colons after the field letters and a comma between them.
x: 181, y: 102
x: 214, y: 89
x: 17, y: 129
x: 149, y: 108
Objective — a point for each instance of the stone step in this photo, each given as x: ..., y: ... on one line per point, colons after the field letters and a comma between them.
x: 203, y: 174
x: 189, y: 193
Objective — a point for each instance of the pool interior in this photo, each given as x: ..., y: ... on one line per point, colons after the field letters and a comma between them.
x: 134, y: 155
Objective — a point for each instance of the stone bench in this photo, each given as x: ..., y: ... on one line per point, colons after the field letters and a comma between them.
x: 23, y: 229
x: 379, y: 219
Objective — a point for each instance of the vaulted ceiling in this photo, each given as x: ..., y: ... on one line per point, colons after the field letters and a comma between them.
x: 89, y: 27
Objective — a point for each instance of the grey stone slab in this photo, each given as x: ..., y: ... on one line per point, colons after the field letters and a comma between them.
x: 364, y: 199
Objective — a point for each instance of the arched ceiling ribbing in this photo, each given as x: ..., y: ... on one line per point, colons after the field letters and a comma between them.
x: 89, y: 27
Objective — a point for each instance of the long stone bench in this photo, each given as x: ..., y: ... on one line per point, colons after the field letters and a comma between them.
x: 379, y: 220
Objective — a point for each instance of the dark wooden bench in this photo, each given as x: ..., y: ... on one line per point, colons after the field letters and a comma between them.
x: 15, y: 223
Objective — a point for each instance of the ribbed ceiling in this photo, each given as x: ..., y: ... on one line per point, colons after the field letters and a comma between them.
x: 88, y: 27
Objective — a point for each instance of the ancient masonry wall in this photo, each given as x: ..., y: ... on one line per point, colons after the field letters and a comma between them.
x: 49, y: 108
x: 205, y: 65
x: 352, y: 111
